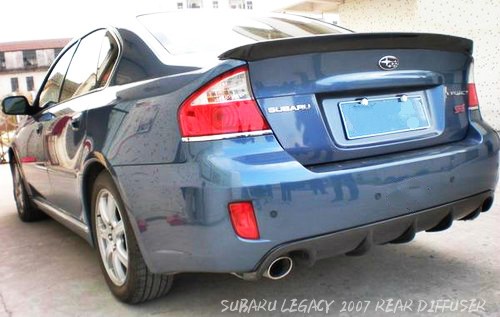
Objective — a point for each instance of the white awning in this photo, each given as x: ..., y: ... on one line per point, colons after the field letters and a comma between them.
x: 316, y: 6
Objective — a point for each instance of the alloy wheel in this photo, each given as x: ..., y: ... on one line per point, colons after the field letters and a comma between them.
x: 111, y: 236
x: 18, y: 190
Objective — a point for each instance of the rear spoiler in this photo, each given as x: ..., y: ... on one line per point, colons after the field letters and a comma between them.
x: 347, y: 42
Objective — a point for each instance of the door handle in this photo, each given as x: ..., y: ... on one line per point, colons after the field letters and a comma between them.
x: 39, y: 128
x: 75, y: 122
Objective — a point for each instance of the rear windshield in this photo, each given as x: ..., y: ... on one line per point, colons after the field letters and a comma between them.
x: 195, y: 32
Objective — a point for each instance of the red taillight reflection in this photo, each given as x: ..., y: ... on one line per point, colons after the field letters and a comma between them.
x: 28, y: 159
x: 243, y: 220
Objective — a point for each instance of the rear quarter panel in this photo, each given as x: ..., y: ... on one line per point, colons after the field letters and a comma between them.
x: 138, y: 127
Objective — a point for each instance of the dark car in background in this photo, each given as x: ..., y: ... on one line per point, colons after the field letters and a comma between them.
x: 214, y: 142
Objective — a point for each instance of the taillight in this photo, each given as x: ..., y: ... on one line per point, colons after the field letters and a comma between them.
x: 243, y: 220
x: 222, y: 108
x: 471, y: 88
x: 473, y: 100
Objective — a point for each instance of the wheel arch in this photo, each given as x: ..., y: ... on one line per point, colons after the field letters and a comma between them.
x: 93, y: 166
x: 12, y: 157
x: 13, y: 161
x: 91, y: 169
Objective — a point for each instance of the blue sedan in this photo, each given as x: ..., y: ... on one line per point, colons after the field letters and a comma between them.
x: 246, y: 144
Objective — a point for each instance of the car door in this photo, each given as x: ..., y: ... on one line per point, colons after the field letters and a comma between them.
x: 65, y: 137
x: 30, y: 143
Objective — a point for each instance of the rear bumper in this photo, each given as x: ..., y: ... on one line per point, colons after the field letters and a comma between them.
x: 357, y: 241
x: 180, y: 210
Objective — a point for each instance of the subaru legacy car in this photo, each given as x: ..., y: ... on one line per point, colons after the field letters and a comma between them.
x: 249, y: 144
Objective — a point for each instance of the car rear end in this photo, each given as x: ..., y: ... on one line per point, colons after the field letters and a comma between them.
x: 325, y: 145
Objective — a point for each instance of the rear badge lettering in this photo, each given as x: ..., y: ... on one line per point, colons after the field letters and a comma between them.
x: 455, y: 92
x: 291, y: 108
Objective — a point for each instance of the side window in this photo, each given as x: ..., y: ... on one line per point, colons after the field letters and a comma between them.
x: 52, y: 88
x: 107, y: 58
x: 82, y: 73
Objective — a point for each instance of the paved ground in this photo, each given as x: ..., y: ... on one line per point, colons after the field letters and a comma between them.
x: 45, y: 270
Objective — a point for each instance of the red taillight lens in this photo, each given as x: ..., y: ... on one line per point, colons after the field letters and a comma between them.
x: 473, y: 100
x: 243, y: 220
x: 471, y: 88
x: 224, y: 105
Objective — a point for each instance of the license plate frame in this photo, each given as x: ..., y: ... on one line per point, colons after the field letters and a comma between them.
x: 417, y: 102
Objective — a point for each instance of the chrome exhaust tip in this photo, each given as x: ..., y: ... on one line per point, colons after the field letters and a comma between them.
x: 279, y: 268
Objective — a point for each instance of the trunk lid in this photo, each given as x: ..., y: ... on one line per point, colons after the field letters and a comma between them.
x: 331, y: 98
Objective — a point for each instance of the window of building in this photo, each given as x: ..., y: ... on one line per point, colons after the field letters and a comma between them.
x: 57, y: 51
x: 14, y: 84
x: 180, y: 5
x: 215, y: 4
x: 194, y: 4
x: 14, y: 60
x: 29, y: 58
x: 82, y: 73
x: 249, y: 5
x: 44, y: 57
x: 2, y: 60
x: 237, y: 4
x: 30, y: 83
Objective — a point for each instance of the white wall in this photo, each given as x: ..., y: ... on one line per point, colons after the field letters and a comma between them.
x: 5, y: 87
x: 478, y: 20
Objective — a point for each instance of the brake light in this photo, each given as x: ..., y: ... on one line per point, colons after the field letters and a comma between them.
x: 224, y: 107
x: 243, y: 220
x: 471, y: 88
x: 473, y: 100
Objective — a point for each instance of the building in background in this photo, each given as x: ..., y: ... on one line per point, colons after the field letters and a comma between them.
x: 260, y: 5
x: 213, y: 4
x: 23, y: 64
x: 325, y: 10
x: 22, y: 69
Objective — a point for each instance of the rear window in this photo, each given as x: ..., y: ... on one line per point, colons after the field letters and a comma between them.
x: 194, y: 32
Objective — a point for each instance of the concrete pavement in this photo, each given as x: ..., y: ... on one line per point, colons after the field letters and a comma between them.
x: 46, y: 270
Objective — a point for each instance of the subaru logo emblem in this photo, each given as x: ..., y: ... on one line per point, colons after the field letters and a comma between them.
x: 388, y: 62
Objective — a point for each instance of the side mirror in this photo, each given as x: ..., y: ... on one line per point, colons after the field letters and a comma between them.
x: 16, y: 105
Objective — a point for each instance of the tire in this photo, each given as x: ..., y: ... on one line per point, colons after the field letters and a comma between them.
x: 121, y: 261
x: 26, y: 211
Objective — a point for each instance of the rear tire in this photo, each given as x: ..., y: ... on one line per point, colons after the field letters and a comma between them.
x: 26, y: 211
x: 121, y: 261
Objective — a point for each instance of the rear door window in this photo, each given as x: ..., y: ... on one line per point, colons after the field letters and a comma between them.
x: 82, y: 73
x: 107, y: 59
